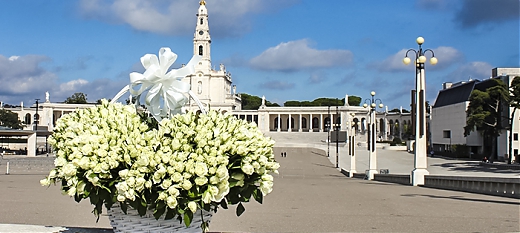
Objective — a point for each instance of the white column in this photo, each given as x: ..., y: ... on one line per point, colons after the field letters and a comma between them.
x: 279, y: 123
x: 420, y: 159
x: 352, y: 148
x: 31, y: 145
x: 289, y: 125
x: 331, y: 119
x: 300, y: 123
x: 372, y: 156
x: 387, y: 129
x: 321, y: 123
x: 310, y: 122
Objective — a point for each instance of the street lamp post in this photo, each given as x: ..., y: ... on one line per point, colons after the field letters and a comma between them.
x: 327, y: 125
x: 36, y: 116
x: 351, y: 148
x: 337, y: 134
x: 420, y: 159
x: 371, y: 140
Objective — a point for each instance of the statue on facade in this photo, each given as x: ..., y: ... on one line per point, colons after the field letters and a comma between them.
x: 47, y: 97
x: 346, y: 100
x: 263, y: 100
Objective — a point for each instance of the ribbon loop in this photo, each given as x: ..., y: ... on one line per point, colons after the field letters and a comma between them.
x: 161, y: 84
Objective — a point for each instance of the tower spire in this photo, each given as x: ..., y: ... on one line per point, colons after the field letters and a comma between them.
x: 202, y: 2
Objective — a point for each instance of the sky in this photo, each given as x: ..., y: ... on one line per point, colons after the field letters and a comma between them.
x: 283, y: 50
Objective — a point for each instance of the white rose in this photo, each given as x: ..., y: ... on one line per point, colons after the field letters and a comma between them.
x: 171, y: 202
x: 45, y: 182
x: 199, y: 181
x: 192, y: 206
x: 206, y: 197
x: 248, y: 169
x: 162, y: 196
x: 201, y: 169
x: 71, y: 191
x: 121, y: 198
x: 186, y: 185
x: 266, y: 187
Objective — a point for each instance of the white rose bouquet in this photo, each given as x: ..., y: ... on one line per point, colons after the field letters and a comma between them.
x: 176, y: 166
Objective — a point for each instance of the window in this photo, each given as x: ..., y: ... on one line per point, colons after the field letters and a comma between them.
x: 27, y: 120
x: 515, y: 136
x: 201, y: 21
x: 446, y: 134
x: 200, y: 50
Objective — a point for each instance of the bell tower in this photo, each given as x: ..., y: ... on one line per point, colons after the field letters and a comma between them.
x: 202, y: 39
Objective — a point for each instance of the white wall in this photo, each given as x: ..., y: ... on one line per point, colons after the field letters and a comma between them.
x: 453, y: 118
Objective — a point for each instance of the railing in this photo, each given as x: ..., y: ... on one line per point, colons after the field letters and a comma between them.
x: 505, y: 187
x: 393, y: 178
x: 26, y: 166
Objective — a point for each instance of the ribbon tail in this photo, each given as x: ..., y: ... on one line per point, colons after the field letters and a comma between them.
x: 121, y: 93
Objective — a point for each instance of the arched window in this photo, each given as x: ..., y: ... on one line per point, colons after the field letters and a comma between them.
x: 356, y: 124
x: 199, y: 87
x: 276, y: 123
x: 326, y: 124
x: 315, y: 123
x: 36, y: 117
x: 304, y: 123
x: 201, y: 21
x: 27, y: 120
x: 200, y: 50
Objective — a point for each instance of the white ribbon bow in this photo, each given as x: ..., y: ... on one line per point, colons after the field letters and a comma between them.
x: 161, y: 84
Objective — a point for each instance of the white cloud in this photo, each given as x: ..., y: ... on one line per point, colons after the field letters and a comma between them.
x: 20, y: 75
x: 295, y: 55
x: 173, y: 17
x: 277, y: 85
x: 73, y: 85
x: 23, y: 79
x: 446, y: 57
x: 472, y: 70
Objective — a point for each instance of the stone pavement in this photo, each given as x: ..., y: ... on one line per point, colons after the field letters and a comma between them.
x: 310, y: 195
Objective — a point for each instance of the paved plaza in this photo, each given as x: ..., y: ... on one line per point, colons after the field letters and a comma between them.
x: 310, y: 195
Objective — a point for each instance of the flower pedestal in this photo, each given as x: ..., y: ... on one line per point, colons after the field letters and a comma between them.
x: 132, y: 222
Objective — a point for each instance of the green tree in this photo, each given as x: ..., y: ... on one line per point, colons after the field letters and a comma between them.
x: 354, y: 100
x: 251, y: 102
x: 10, y: 119
x: 484, y: 112
x: 514, y: 102
x: 77, y: 98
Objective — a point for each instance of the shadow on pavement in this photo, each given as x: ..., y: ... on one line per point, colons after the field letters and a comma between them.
x: 86, y: 230
x: 463, y: 199
x: 474, y: 167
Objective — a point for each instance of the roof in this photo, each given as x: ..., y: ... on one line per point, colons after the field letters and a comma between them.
x: 454, y: 95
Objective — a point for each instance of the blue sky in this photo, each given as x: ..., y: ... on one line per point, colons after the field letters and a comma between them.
x: 284, y: 50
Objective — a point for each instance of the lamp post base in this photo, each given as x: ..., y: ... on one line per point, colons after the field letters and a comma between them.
x: 351, y: 173
x: 371, y: 173
x: 418, y: 176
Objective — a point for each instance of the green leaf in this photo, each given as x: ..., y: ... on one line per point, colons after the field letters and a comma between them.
x: 223, y: 203
x: 188, y: 216
x: 141, y: 210
x: 257, y: 194
x: 158, y: 212
x: 78, y: 198
x: 240, y: 209
x: 124, y: 207
x: 169, y: 214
